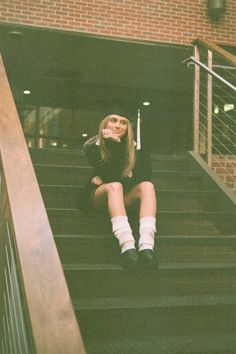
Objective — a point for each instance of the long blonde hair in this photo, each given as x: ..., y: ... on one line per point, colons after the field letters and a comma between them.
x: 129, y: 142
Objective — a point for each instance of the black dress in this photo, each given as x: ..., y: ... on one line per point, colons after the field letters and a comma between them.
x: 111, y: 171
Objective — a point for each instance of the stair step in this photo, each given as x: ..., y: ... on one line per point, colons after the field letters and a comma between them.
x: 108, y: 303
x: 197, y: 239
x: 178, y: 162
x: 183, y: 222
x: 111, y: 320
x: 211, y: 254
x: 78, y: 158
x: 54, y: 156
x: 107, y: 317
x: 62, y: 174
x: 163, y: 268
x: 111, y: 280
x: 74, y: 248
x: 187, y: 305
x: 105, y: 249
x: 172, y: 344
x: 179, y: 223
x: 73, y: 175
x: 69, y: 197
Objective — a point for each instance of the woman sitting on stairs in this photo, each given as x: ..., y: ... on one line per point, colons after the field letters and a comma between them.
x: 122, y: 172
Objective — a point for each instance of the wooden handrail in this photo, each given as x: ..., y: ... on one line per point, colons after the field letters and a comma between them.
x: 230, y: 58
x: 49, y: 308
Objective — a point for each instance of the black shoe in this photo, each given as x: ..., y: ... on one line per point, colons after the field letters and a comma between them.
x: 129, y: 259
x: 147, y: 259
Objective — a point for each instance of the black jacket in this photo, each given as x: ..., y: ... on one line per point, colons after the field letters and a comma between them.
x: 111, y: 171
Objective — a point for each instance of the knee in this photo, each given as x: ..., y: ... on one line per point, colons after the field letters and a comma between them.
x: 114, y: 187
x: 146, y: 188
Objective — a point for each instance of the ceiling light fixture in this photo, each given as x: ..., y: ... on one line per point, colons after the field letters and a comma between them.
x: 15, y: 33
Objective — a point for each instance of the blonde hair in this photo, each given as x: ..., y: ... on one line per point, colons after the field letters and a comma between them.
x: 129, y: 142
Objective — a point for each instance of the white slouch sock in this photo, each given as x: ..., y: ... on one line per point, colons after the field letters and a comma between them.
x: 122, y: 231
x: 147, y: 229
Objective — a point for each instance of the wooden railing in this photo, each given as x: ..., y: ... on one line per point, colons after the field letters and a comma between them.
x: 230, y: 58
x: 36, y: 310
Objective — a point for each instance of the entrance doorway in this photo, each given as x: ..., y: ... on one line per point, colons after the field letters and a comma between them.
x: 64, y: 83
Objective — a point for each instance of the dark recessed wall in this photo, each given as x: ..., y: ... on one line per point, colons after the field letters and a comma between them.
x: 92, y: 77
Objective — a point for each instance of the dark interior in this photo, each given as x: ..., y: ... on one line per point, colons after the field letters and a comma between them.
x: 76, y: 79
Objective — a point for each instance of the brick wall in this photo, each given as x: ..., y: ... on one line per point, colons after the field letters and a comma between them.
x: 225, y: 168
x: 176, y: 21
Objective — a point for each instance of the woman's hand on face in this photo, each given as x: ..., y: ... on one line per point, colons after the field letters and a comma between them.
x: 108, y: 134
x: 97, y: 180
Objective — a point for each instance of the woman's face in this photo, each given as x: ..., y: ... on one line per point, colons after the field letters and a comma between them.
x: 118, y: 125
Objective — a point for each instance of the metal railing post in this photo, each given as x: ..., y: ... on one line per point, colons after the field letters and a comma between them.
x: 196, y: 101
x: 209, y: 111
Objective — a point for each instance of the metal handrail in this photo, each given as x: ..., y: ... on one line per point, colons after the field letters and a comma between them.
x: 210, y: 71
x: 209, y: 145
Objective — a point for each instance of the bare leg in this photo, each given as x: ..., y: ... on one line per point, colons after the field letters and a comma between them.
x: 145, y: 193
x: 110, y: 195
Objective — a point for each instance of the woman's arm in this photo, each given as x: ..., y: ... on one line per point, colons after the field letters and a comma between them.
x: 103, y: 170
x: 92, y: 151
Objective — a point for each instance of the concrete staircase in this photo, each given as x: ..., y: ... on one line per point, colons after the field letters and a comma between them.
x: 188, y: 304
